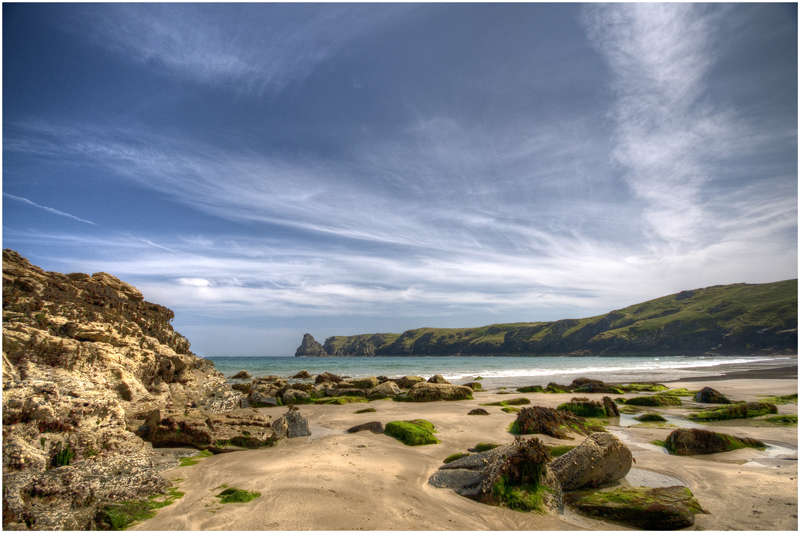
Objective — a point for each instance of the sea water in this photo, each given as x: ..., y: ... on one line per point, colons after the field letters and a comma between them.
x: 506, y: 371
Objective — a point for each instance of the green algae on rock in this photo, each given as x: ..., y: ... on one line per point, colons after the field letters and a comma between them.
x: 655, y: 401
x: 736, y: 410
x: 663, y: 508
x: 412, y: 432
x: 701, y: 441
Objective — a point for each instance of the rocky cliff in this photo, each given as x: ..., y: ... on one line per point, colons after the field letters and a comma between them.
x: 92, y: 374
x: 735, y: 319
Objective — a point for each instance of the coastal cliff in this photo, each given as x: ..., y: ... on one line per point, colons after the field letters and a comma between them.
x: 735, y: 319
x: 93, y: 375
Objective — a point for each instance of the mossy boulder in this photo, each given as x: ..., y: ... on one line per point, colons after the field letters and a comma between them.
x: 590, y: 409
x: 241, y: 375
x: 531, y: 388
x: 662, y: 508
x: 303, y: 374
x: 655, y: 401
x: 557, y: 389
x: 594, y: 386
x: 479, y: 411
x: 406, y: 382
x: 644, y: 387
x: 709, y: 395
x: 701, y: 441
x: 438, y: 378
x: 513, y: 401
x: 432, y: 392
x: 455, y: 457
x: 650, y: 417
x: 547, y: 421
x: 412, y: 432
x: 374, y: 427
x: 600, y: 458
x: 474, y: 385
x: 736, y: 410
x: 681, y: 391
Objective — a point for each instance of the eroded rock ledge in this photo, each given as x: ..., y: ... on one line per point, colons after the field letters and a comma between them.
x: 86, y: 363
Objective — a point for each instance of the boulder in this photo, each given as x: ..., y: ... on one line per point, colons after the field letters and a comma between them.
x: 294, y: 396
x: 474, y: 385
x: 701, y: 441
x: 406, y: 382
x: 350, y: 392
x: 303, y: 374
x: 657, y: 400
x: 241, y: 375
x: 431, y: 392
x: 736, y: 410
x: 364, y: 383
x: 387, y: 389
x: 709, y: 395
x: 547, y: 421
x: 292, y: 424
x: 489, y: 476
x: 556, y: 388
x: 375, y: 427
x: 662, y: 508
x: 327, y: 376
x: 438, y: 378
x: 600, y: 458
x: 479, y: 411
x: 193, y: 428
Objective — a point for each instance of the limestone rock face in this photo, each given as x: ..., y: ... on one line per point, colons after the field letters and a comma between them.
x: 85, y: 361
x: 431, y: 392
x: 309, y: 347
x: 599, y: 459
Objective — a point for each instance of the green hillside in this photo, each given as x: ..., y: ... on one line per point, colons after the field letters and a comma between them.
x: 724, y: 319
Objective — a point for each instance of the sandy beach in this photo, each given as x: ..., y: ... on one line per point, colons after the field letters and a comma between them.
x: 338, y: 481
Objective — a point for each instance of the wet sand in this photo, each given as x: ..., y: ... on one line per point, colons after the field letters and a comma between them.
x: 338, y: 481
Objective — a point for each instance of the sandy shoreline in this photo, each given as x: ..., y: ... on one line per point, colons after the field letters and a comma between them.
x: 335, y: 481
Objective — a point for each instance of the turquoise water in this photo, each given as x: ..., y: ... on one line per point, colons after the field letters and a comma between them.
x: 505, y: 371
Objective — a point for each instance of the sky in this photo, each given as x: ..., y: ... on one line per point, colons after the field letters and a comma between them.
x: 270, y: 170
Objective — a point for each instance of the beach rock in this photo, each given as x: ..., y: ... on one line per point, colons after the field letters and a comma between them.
x: 309, y: 347
x: 365, y: 383
x: 241, y: 375
x: 531, y: 388
x: 709, y: 395
x: 476, y: 475
x: 438, y: 378
x: 294, y: 396
x: 650, y: 417
x: 303, y: 374
x: 291, y: 425
x: 350, y: 392
x: 662, y: 508
x: 701, y: 441
x: 431, y: 392
x: 406, y: 382
x: 657, y: 400
x: 600, y: 458
x: 736, y: 410
x: 556, y: 388
x: 474, y: 385
x: 375, y: 427
x: 547, y: 421
x: 587, y: 408
x: 327, y: 376
x: 479, y: 411
x: 387, y: 389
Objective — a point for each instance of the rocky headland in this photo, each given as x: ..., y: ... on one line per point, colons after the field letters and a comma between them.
x: 93, y: 377
x: 739, y: 319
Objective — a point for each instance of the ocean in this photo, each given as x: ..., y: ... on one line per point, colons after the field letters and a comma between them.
x: 506, y: 371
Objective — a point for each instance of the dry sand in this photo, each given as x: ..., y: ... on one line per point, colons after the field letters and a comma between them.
x: 335, y: 481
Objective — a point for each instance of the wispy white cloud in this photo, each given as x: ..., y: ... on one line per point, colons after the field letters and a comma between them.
x: 216, y: 44
x: 48, y: 209
x: 670, y: 134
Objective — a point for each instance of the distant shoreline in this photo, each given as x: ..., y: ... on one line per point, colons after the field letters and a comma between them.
x: 783, y: 372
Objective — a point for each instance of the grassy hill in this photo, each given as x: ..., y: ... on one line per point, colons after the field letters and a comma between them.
x: 724, y: 319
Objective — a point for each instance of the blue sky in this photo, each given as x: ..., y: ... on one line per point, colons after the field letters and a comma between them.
x: 268, y: 170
